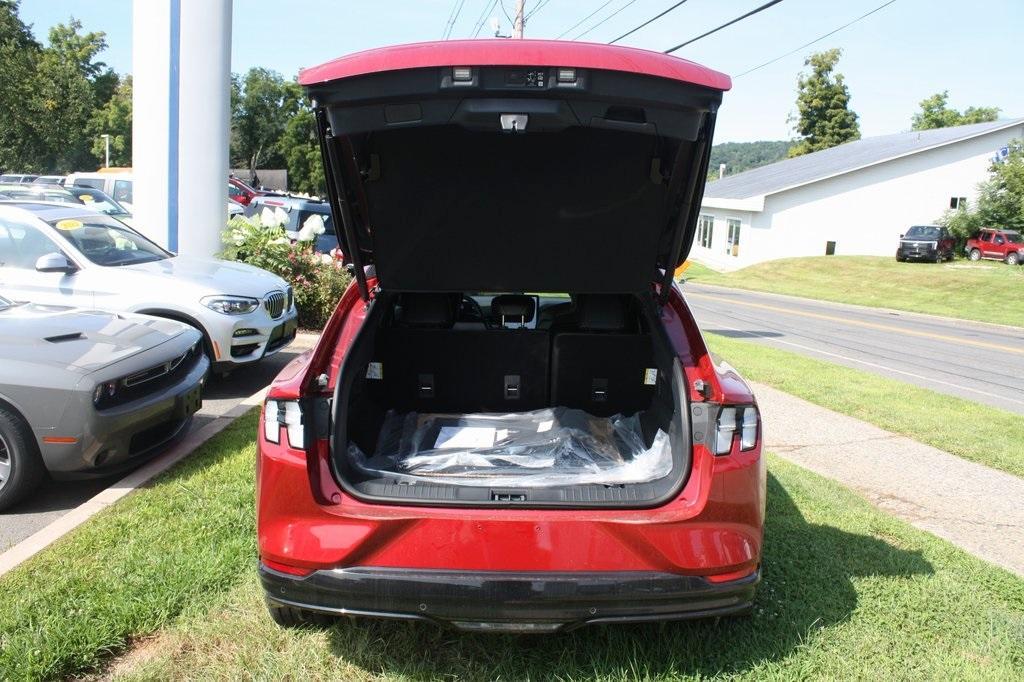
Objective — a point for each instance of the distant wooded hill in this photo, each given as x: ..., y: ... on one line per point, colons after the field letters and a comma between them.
x: 742, y: 156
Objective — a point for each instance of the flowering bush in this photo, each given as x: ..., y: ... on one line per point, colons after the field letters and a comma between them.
x: 318, y: 280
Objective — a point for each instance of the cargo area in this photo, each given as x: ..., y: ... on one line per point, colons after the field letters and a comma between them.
x: 511, y: 398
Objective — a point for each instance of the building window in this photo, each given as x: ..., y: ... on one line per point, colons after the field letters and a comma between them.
x: 732, y: 246
x: 957, y: 202
x: 705, y: 230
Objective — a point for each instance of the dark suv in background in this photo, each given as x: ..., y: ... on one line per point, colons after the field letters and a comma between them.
x: 926, y: 242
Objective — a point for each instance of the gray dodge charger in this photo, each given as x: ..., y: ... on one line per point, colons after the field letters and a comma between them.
x: 88, y: 393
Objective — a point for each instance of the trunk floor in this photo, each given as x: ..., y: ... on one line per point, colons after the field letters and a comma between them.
x: 549, y: 447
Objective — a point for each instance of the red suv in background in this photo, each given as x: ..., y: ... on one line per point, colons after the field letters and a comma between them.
x: 458, y: 450
x: 1004, y: 245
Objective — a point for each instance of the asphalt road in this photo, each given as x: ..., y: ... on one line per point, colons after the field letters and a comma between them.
x: 972, y: 360
x: 54, y: 499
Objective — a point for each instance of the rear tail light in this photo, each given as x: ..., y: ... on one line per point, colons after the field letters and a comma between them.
x: 743, y: 419
x: 286, y: 413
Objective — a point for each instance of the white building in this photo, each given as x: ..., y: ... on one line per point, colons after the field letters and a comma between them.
x: 854, y: 199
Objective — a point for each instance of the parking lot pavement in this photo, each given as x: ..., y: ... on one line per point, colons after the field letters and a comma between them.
x: 970, y: 360
x: 56, y: 498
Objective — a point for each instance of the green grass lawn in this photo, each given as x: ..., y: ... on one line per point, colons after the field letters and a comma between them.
x: 136, y: 566
x: 162, y: 585
x: 848, y: 592
x: 986, y: 291
x: 964, y: 428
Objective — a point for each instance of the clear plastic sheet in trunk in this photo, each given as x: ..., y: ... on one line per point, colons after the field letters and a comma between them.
x: 550, y: 447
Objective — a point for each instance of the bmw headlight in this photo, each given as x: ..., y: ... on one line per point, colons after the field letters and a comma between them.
x: 231, y: 305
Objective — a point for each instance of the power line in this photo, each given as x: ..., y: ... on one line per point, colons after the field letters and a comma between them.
x: 536, y: 9
x: 451, y: 24
x: 448, y: 21
x: 584, y: 19
x: 482, y: 19
x: 833, y: 32
x: 505, y: 12
x: 725, y: 25
x: 654, y: 18
x: 580, y: 35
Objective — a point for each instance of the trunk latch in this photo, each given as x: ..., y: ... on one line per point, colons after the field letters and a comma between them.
x: 507, y: 496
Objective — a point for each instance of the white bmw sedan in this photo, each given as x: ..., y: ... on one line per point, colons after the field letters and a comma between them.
x: 62, y: 254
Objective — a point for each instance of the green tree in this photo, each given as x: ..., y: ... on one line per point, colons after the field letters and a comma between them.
x: 264, y: 103
x: 115, y: 119
x: 301, y: 152
x: 20, y: 144
x: 823, y: 104
x: 1000, y: 198
x: 936, y: 113
x: 66, y: 94
x: 742, y: 156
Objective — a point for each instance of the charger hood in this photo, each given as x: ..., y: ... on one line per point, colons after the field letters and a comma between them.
x: 515, y: 165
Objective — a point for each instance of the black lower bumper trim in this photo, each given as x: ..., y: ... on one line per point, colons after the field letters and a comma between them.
x: 509, y: 602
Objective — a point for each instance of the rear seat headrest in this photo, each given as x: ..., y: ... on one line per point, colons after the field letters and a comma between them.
x: 514, y: 308
x: 429, y: 310
x: 607, y: 313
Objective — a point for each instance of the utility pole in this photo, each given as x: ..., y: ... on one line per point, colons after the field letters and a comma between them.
x: 517, y: 27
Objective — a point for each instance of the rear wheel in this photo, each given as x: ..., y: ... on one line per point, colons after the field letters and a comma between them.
x: 291, y: 617
x: 21, y: 469
x: 1012, y: 259
x: 975, y: 254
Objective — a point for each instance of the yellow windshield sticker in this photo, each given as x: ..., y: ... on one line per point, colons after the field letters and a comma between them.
x: 68, y: 224
x: 85, y: 198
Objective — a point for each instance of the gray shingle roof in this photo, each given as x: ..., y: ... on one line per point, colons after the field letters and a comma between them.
x: 843, y: 159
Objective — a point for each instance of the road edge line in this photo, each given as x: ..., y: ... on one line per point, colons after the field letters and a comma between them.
x: 14, y: 556
x: 857, y: 306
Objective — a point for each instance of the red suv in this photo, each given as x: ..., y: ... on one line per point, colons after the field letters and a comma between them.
x: 241, y: 192
x: 1004, y: 245
x: 460, y: 450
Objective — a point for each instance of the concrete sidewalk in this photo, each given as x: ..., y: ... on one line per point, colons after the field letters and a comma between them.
x: 976, y: 508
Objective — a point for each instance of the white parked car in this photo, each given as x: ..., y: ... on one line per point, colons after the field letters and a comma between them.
x: 63, y: 254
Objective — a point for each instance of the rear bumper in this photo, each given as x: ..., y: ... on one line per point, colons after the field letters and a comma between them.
x: 509, y: 601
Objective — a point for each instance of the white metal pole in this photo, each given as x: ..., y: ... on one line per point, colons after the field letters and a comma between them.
x: 517, y: 29
x: 182, y: 90
x: 106, y: 144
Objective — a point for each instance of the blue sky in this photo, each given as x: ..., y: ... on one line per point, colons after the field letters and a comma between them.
x: 892, y: 59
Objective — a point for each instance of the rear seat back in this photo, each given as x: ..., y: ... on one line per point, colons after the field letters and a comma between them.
x: 605, y: 367
x: 427, y: 366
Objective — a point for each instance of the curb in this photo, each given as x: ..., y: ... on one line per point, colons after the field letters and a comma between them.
x: 46, y: 536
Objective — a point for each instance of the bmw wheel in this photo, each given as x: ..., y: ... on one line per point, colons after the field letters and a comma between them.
x: 21, y: 470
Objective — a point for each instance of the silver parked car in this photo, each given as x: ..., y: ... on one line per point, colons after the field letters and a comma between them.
x: 89, y: 393
x: 66, y: 255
